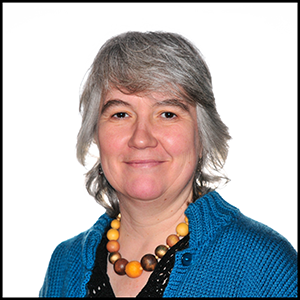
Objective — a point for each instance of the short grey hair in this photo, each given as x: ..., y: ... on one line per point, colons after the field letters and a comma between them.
x: 146, y: 62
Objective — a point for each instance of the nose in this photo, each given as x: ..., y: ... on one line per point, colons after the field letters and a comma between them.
x: 142, y: 136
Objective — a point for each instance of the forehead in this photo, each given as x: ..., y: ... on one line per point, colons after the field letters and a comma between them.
x: 154, y: 96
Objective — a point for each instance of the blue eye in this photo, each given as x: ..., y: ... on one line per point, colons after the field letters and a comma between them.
x: 120, y: 115
x: 168, y: 115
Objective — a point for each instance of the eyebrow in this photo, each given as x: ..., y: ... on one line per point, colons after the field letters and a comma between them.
x: 114, y: 102
x: 167, y: 102
x: 173, y: 102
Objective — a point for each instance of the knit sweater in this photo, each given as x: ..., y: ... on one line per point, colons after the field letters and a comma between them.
x: 229, y: 255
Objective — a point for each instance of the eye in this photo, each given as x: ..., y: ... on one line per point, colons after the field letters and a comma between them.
x: 168, y: 115
x: 120, y: 115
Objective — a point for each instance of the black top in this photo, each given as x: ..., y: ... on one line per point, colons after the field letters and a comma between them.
x: 99, y: 285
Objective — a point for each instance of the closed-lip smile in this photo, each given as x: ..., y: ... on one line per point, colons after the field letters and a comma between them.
x: 147, y: 163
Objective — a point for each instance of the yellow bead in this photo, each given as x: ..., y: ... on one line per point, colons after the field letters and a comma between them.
x: 112, y: 234
x: 115, y: 224
x: 133, y: 269
x: 182, y: 229
x: 186, y: 220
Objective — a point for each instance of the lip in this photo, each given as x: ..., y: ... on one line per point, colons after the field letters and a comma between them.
x: 147, y: 163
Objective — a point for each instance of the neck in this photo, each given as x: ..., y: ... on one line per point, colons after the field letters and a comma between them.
x: 151, y: 219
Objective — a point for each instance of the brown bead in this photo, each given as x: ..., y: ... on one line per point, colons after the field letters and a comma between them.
x: 112, y: 246
x: 119, y: 266
x: 148, y: 262
x: 172, y: 240
x: 161, y: 250
x: 113, y: 257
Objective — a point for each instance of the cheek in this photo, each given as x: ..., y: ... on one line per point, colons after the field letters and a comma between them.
x: 110, y: 141
x: 182, y: 141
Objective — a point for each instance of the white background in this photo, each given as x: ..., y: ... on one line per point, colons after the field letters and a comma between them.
x: 251, y: 50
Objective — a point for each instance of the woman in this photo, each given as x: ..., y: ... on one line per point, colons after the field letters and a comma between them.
x: 148, y: 105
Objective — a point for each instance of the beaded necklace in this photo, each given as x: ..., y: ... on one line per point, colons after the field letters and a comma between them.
x: 148, y: 262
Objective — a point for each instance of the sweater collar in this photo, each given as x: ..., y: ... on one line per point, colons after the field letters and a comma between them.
x: 207, y: 215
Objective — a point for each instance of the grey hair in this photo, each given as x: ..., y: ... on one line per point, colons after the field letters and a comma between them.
x: 135, y: 62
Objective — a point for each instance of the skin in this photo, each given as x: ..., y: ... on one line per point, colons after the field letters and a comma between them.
x: 149, y: 148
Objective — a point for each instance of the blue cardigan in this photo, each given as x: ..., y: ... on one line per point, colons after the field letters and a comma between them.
x: 229, y: 255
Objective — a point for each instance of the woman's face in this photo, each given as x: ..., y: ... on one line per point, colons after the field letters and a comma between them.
x: 149, y: 144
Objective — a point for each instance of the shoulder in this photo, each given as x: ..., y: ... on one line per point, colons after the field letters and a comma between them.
x: 263, y: 260
x: 71, y: 257
x: 266, y: 259
x: 73, y: 247
x: 65, y: 259
x: 269, y: 260
x: 263, y: 240
x: 211, y: 216
x: 64, y: 250
x: 243, y: 233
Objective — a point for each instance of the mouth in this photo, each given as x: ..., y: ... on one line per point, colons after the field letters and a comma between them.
x: 148, y: 163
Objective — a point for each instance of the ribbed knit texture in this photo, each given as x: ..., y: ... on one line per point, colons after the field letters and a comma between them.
x: 232, y: 256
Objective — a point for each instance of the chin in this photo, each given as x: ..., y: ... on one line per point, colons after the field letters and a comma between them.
x: 144, y: 189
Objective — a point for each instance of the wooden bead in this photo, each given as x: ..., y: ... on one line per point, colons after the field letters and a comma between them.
x: 115, y: 224
x: 148, y: 262
x: 119, y: 266
x: 172, y: 240
x: 118, y: 217
x: 113, y: 257
x: 113, y: 246
x: 186, y: 220
x: 112, y: 234
x: 161, y: 250
x: 182, y: 229
x: 133, y: 269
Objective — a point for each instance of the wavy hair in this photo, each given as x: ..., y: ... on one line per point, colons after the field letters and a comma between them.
x: 145, y: 62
